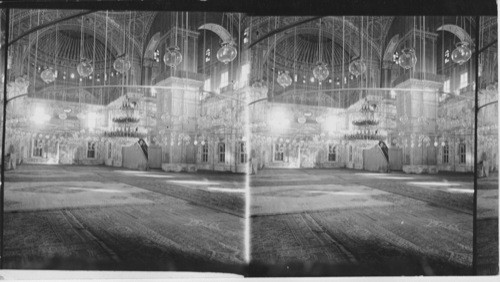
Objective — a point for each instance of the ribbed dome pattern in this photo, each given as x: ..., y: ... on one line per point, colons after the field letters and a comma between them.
x: 69, y: 47
x: 303, y: 49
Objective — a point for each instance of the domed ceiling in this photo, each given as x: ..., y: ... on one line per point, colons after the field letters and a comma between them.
x: 301, y: 52
x: 65, y: 47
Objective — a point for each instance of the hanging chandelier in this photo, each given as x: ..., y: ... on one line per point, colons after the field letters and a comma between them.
x: 227, y: 53
x: 284, y: 79
x: 321, y: 71
x: 85, y: 68
x: 357, y: 67
x: 462, y: 53
x: 408, y: 58
x: 172, y: 57
x: 48, y: 75
x: 365, y: 124
x: 122, y: 64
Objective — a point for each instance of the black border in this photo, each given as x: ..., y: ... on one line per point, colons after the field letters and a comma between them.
x: 275, y: 7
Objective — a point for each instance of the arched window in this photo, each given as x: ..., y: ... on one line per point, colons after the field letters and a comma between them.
x: 243, y: 152
x: 222, y: 152
x: 279, y: 152
x: 207, y: 55
x: 446, y: 154
x: 446, y: 56
x: 204, y: 153
x: 462, y: 157
x: 37, y: 148
x: 332, y: 153
x: 156, y: 55
x: 91, y: 150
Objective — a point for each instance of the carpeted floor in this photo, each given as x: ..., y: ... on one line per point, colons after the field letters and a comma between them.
x: 343, y: 222
x: 100, y: 218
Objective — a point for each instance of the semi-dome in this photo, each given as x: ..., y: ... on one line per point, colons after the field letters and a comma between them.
x: 65, y: 47
x: 301, y: 52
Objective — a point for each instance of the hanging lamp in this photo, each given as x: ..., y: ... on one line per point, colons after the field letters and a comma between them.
x: 357, y: 66
x: 122, y: 63
x: 320, y: 71
x: 49, y: 74
x: 227, y: 53
x: 85, y: 67
x: 284, y: 79
x: 173, y: 56
x: 408, y: 57
x: 462, y: 53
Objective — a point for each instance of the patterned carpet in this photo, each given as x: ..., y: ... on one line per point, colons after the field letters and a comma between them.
x: 99, y: 218
x: 487, y: 225
x: 388, y: 224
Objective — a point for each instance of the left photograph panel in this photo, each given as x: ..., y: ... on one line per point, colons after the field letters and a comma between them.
x: 124, y: 144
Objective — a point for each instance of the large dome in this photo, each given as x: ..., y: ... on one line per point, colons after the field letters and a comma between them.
x: 65, y: 47
x: 303, y: 50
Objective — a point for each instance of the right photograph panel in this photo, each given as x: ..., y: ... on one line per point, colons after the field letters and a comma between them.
x: 487, y: 148
x: 362, y: 145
